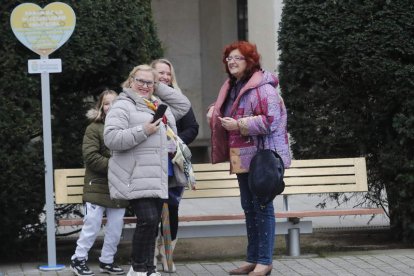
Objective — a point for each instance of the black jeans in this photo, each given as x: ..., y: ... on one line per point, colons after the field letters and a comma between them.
x: 148, y: 213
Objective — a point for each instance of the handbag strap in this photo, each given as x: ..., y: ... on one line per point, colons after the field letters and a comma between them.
x: 260, y: 138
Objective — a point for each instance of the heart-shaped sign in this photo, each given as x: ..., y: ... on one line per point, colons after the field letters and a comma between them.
x: 43, y: 30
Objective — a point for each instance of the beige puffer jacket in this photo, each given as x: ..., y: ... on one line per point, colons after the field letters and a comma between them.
x: 138, y: 167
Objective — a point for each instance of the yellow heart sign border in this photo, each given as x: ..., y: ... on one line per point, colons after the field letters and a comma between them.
x: 43, y: 30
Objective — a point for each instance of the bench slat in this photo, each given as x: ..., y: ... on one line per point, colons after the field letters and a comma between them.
x: 217, y: 184
x: 211, y: 193
x: 206, y: 167
x: 75, y: 181
x: 320, y: 189
x: 305, y: 181
x: 77, y: 199
x: 75, y: 190
x: 324, y: 162
x: 319, y: 171
x: 282, y: 214
x: 214, y: 175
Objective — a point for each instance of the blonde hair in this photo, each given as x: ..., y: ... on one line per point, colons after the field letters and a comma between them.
x: 142, y: 67
x: 173, y: 77
x: 97, y: 114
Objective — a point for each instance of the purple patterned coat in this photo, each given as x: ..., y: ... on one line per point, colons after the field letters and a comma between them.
x: 260, y: 112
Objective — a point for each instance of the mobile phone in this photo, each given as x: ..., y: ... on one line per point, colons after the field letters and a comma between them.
x: 160, y: 112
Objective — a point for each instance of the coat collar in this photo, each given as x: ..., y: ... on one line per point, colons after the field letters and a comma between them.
x: 255, y: 80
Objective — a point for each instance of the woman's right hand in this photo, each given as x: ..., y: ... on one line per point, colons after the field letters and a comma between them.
x: 151, y: 128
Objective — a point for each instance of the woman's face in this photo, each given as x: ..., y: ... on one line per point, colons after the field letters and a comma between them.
x: 107, y: 102
x: 236, y: 64
x: 164, y: 73
x: 143, y: 83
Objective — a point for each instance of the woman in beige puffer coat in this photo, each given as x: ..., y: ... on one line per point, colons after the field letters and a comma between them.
x: 140, y: 155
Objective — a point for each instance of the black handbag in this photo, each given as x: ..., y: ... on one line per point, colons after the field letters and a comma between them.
x: 266, y: 175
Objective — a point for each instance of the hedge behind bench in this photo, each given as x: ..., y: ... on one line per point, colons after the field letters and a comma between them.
x: 347, y: 78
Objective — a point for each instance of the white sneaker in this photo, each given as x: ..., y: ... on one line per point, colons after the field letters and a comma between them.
x: 155, y: 274
x: 131, y: 272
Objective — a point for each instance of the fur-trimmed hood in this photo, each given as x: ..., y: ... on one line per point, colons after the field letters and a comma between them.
x: 92, y: 114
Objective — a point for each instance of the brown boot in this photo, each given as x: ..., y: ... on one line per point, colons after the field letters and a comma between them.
x: 243, y: 270
x: 265, y: 272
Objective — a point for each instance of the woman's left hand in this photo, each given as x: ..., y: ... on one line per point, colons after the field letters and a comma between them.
x: 229, y: 123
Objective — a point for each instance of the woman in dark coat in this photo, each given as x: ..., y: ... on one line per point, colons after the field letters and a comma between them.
x: 187, y: 128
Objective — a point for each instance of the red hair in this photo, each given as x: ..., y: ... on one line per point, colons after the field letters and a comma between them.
x: 249, y: 51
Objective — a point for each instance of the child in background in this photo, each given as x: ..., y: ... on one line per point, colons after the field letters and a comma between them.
x: 96, y: 196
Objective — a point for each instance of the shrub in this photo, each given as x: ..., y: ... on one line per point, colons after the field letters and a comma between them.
x: 347, y: 76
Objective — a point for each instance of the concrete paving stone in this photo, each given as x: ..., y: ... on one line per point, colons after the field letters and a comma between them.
x: 358, y: 271
x: 227, y: 266
x: 378, y: 272
x: 311, y: 264
x: 362, y: 264
x: 10, y: 268
x: 66, y: 273
x: 338, y: 263
x: 327, y: 263
x: 388, y: 259
x: 341, y: 273
x: 182, y: 270
x: 196, y: 268
x: 390, y: 270
x: 288, y: 272
x: 215, y: 269
x: 373, y: 260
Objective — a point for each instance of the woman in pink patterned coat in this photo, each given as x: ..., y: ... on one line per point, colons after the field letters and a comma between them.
x: 249, y: 113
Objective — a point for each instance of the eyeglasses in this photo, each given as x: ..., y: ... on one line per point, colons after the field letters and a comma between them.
x: 235, y: 58
x: 142, y: 82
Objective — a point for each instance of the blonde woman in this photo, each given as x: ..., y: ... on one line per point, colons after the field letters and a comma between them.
x: 187, y: 128
x: 141, y: 156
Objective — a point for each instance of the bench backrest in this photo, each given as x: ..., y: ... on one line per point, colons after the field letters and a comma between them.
x: 303, y: 177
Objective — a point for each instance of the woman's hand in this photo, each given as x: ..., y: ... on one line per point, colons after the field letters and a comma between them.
x: 151, y: 128
x: 229, y: 123
x: 210, y: 114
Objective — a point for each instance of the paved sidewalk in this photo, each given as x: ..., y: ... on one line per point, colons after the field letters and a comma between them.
x: 363, y: 263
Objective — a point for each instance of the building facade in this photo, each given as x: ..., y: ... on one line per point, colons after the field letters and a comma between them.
x: 193, y: 34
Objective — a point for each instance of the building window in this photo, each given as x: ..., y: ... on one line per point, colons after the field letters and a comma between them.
x: 242, y: 29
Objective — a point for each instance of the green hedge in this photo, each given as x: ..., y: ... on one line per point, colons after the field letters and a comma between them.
x: 110, y: 38
x: 347, y: 76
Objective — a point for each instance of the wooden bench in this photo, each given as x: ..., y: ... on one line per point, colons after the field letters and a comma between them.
x: 341, y: 175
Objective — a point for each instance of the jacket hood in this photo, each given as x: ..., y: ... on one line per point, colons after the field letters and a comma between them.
x: 261, y: 78
x: 270, y: 79
x: 92, y: 114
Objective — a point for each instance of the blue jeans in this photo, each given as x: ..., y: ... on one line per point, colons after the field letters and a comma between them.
x: 260, y: 225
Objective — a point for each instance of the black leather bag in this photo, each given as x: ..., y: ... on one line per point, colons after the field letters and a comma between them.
x: 266, y: 175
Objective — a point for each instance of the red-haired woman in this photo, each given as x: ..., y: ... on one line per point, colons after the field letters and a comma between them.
x: 249, y: 113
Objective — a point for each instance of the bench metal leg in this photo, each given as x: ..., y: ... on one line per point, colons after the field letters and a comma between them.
x: 293, y: 242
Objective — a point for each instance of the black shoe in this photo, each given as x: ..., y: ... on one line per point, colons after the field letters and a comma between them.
x: 79, y: 267
x: 111, y: 269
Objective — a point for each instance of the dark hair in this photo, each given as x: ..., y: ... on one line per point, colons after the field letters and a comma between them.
x: 249, y: 51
